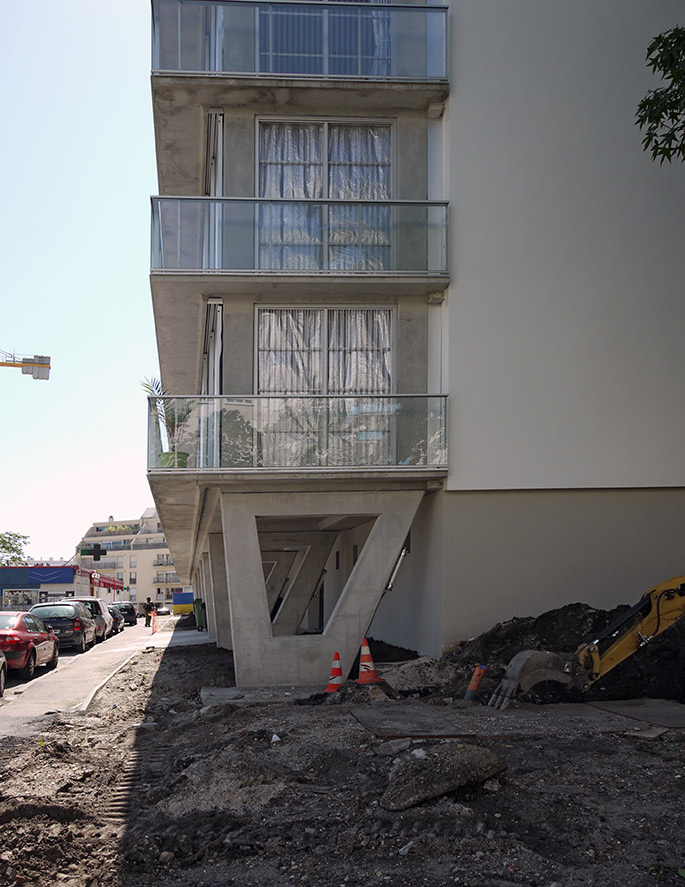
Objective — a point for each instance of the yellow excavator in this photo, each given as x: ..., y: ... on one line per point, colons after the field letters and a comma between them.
x: 657, y: 610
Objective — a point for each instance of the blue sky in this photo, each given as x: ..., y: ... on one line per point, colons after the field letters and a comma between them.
x: 78, y: 167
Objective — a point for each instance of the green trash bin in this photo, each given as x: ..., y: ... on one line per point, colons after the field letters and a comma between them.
x: 198, y: 609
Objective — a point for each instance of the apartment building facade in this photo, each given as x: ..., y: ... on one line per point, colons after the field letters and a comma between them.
x: 369, y: 213
x: 137, y: 559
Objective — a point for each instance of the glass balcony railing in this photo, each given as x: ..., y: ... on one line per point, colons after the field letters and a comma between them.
x: 377, y: 41
x: 102, y: 564
x: 250, y: 234
x: 298, y: 432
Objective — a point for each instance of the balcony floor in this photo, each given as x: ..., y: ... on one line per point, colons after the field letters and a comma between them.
x: 181, y: 496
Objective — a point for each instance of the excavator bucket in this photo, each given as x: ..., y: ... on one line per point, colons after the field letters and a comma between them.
x: 528, y: 668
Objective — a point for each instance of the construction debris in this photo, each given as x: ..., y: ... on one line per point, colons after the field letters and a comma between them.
x: 426, y: 774
x: 175, y: 778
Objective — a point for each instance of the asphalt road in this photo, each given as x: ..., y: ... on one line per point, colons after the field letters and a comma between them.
x: 78, y: 676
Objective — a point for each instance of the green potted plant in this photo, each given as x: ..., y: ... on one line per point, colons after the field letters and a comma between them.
x: 172, y: 416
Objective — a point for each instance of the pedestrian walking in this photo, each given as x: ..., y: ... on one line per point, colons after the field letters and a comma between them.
x: 148, y: 608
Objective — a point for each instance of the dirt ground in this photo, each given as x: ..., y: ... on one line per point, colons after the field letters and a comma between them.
x: 151, y: 786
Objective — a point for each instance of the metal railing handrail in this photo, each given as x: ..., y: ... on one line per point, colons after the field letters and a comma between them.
x: 325, y: 4
x: 185, y: 198
x: 307, y: 396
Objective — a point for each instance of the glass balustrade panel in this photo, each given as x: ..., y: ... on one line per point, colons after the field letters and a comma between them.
x: 298, y: 432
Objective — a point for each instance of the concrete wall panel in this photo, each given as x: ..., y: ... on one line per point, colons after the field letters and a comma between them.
x: 566, y: 364
x: 512, y: 554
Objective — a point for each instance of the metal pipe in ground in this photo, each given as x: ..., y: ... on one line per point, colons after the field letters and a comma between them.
x: 476, y: 678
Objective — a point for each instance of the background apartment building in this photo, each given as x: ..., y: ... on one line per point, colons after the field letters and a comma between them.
x: 417, y: 292
x: 137, y: 555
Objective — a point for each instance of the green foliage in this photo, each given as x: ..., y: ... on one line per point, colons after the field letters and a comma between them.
x: 12, y: 549
x: 172, y: 413
x: 236, y: 440
x: 661, y: 113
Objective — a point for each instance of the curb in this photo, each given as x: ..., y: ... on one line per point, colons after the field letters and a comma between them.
x: 83, y: 706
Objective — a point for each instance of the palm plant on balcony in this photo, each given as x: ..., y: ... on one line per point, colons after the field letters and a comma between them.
x: 171, y: 418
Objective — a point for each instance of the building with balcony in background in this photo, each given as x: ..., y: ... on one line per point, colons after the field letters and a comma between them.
x: 382, y: 227
x: 136, y: 556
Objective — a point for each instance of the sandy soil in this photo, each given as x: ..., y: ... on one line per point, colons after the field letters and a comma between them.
x: 151, y: 787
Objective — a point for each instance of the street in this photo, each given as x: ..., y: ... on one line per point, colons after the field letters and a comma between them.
x: 72, y: 685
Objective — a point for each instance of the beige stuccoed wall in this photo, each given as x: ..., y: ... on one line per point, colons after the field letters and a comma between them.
x: 568, y: 298
x: 479, y: 558
x: 521, y: 553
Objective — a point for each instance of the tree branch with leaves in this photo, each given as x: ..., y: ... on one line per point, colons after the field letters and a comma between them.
x: 12, y: 549
x: 661, y: 113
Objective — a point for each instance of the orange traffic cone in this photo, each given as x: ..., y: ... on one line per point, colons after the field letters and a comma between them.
x: 367, y: 671
x: 336, y: 677
x: 154, y: 621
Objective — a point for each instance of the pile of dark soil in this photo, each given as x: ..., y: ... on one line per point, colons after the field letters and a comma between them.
x: 153, y: 787
x: 656, y: 670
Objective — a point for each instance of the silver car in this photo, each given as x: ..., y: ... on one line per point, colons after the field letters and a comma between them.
x: 103, y: 618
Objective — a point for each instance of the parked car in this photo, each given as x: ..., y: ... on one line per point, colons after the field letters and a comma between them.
x: 163, y: 611
x: 128, y: 611
x: 117, y: 617
x: 99, y: 612
x: 70, y: 621
x: 3, y: 673
x: 27, y: 643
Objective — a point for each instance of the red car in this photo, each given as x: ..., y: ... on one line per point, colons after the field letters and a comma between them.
x: 27, y: 643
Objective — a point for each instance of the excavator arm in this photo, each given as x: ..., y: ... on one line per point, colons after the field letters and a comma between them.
x: 657, y: 610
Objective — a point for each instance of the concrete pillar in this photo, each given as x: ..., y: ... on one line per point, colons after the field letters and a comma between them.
x: 278, y: 570
x: 217, y: 570
x: 301, y: 591
x: 208, y: 597
x: 261, y: 658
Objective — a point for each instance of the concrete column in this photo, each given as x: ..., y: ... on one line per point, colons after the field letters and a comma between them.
x: 300, y: 593
x: 262, y: 659
x: 208, y: 597
x: 217, y: 570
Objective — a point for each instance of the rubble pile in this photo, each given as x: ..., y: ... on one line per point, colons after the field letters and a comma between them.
x: 656, y: 670
x: 254, y: 793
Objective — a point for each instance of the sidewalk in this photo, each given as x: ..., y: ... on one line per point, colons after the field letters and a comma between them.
x: 77, y: 678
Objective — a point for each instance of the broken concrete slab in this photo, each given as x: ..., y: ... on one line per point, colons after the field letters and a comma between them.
x: 254, y: 695
x: 430, y: 773
x: 394, y: 720
x: 408, y: 676
x: 657, y: 712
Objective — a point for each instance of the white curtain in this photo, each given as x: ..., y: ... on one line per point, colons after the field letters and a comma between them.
x: 290, y: 359
x: 313, y: 236
x: 318, y: 352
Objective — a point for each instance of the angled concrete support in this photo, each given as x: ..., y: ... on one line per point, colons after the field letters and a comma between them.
x: 312, y: 550
x: 208, y: 597
x: 261, y: 658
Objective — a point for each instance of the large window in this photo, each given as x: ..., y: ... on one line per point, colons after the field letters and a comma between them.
x: 324, y: 351
x: 321, y: 161
x: 345, y: 353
